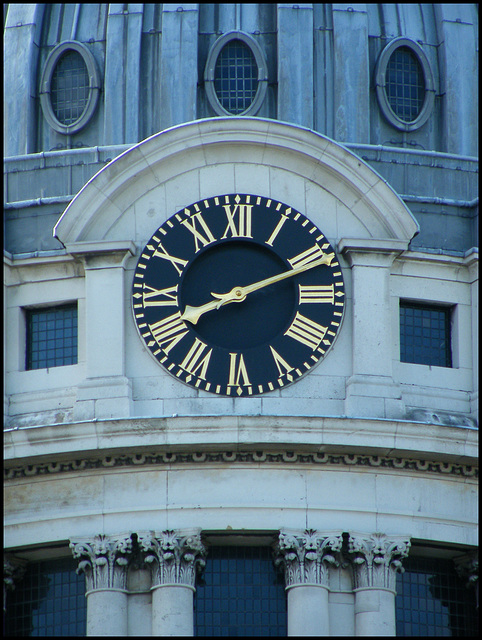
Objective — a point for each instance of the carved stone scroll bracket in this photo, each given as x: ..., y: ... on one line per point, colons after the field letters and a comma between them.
x: 13, y: 571
x: 306, y: 555
x: 376, y: 559
x: 174, y: 556
x: 104, y: 560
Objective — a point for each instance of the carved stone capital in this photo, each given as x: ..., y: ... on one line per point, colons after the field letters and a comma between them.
x: 467, y: 567
x: 174, y: 556
x: 13, y: 571
x: 306, y: 555
x: 376, y: 559
x: 104, y: 560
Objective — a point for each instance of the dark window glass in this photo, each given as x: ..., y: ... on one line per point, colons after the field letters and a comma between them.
x: 425, y: 335
x: 51, y: 337
x: 48, y: 601
x: 236, y: 77
x: 241, y: 594
x: 405, y: 84
x: 69, y: 89
x: 433, y: 601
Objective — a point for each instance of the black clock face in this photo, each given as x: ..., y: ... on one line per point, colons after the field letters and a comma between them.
x: 238, y: 295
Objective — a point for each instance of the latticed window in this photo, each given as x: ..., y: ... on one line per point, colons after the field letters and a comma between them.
x: 69, y: 92
x: 433, y: 601
x: 241, y: 594
x: 236, y: 77
x: 48, y: 601
x: 425, y: 334
x: 51, y: 337
x: 405, y: 84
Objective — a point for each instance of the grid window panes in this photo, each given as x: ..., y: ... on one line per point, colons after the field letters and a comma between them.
x: 425, y: 334
x: 51, y: 337
x: 433, y: 601
x: 48, y: 601
x: 241, y: 594
x: 405, y: 84
x: 236, y: 77
x: 69, y: 89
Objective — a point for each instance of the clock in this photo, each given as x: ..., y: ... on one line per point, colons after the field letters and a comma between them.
x: 238, y: 295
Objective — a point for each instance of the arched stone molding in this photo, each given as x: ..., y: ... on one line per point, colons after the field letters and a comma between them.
x: 94, y: 214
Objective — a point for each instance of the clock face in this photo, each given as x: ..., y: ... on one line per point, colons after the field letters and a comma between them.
x: 238, y: 295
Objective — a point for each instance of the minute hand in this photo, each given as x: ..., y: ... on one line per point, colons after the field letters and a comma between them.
x: 238, y: 294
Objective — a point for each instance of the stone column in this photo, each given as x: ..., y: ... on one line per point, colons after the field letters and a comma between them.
x: 371, y: 390
x: 467, y: 567
x: 13, y: 571
x: 104, y: 560
x: 306, y: 556
x: 376, y: 559
x: 174, y: 557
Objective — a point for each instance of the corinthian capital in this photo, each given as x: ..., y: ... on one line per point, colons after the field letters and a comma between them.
x: 174, y: 556
x: 467, y: 566
x: 306, y: 555
x: 377, y: 558
x: 104, y: 560
x: 13, y: 571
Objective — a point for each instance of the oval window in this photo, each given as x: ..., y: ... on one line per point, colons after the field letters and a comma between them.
x: 404, y: 84
x: 69, y: 88
x: 236, y: 75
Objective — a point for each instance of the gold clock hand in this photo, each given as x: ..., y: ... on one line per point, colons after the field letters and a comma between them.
x: 238, y: 294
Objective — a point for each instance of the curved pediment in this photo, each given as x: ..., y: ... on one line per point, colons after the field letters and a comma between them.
x: 181, y: 165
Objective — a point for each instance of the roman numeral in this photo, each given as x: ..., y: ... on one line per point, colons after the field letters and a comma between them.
x: 281, y: 364
x: 306, y: 331
x: 172, y: 259
x: 205, y: 239
x: 192, y: 362
x: 237, y: 370
x: 240, y: 228
x: 169, y: 331
x: 317, y: 294
x: 277, y: 229
x: 169, y: 295
x: 310, y: 255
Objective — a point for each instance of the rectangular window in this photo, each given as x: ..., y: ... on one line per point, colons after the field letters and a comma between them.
x: 425, y: 334
x: 51, y: 337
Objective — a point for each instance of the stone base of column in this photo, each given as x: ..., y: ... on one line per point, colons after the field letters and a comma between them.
x: 308, y: 610
x: 107, y: 612
x: 173, y: 610
x: 374, y: 612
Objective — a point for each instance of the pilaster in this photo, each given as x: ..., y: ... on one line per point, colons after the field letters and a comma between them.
x: 306, y: 556
x: 104, y: 560
x: 376, y: 559
x: 174, y: 557
x: 371, y: 390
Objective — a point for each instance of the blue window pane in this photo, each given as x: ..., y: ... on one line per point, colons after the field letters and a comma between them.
x: 51, y: 337
x: 405, y: 84
x: 425, y: 334
x: 42, y: 604
x: 236, y: 77
x: 249, y: 595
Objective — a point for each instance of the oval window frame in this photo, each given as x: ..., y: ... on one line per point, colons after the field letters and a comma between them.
x: 209, y: 73
x: 46, y: 84
x: 380, y: 85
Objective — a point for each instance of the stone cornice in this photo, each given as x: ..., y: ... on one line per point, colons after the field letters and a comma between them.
x: 230, y: 438
x: 138, y: 459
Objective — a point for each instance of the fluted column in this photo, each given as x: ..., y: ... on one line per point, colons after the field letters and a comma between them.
x: 104, y: 560
x: 306, y: 556
x: 174, y: 556
x: 376, y: 559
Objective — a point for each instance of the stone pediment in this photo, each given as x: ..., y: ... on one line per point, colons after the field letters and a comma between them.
x: 221, y: 155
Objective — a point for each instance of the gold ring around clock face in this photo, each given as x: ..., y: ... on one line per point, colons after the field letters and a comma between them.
x: 238, y: 295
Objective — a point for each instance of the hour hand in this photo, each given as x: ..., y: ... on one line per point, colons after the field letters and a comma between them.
x: 192, y: 314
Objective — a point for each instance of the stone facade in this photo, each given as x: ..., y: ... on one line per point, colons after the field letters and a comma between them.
x: 347, y: 469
